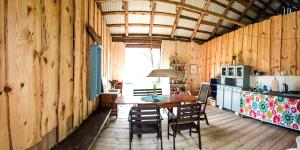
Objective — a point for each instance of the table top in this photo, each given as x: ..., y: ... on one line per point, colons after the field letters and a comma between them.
x: 173, y: 100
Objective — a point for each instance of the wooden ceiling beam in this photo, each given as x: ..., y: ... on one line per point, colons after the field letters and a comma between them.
x: 126, y: 16
x: 267, y: 4
x: 253, y: 8
x: 200, y: 19
x: 245, y: 11
x: 179, y: 9
x: 155, y: 25
x: 152, y: 18
x: 143, y: 45
x: 122, y: 38
x: 231, y: 9
x: 262, y: 12
x: 162, y: 14
x: 221, y: 20
x: 199, y: 10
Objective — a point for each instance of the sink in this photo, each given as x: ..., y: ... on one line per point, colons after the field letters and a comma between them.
x: 291, y: 94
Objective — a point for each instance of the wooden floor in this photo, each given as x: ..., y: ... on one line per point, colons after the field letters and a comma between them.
x: 225, y: 132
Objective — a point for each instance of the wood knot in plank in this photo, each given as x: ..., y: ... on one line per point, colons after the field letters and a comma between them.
x: 45, y: 60
x: 29, y: 9
x: 7, y: 89
x: 22, y: 84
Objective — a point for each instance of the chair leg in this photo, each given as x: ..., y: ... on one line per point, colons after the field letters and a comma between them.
x: 161, y: 141
x: 206, y: 118
x: 190, y: 132
x: 199, y: 138
x: 168, y: 130
x: 174, y: 134
x: 130, y: 139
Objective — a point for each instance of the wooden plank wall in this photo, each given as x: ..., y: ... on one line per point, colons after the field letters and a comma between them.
x: 4, y: 126
x: 117, y: 61
x: 44, y: 50
x: 269, y: 46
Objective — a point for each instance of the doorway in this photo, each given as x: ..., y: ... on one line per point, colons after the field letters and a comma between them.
x: 138, y: 64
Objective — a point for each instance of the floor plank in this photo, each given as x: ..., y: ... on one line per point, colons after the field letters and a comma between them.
x: 226, y: 131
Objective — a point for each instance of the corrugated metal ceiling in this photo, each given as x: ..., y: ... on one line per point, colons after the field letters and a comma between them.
x: 186, y: 23
x: 190, y: 14
x: 162, y: 31
x: 138, y: 30
x: 202, y: 36
x: 112, y: 6
x: 139, y: 19
x: 216, y: 8
x: 140, y: 13
x: 164, y: 20
x: 165, y: 7
x: 196, y: 3
x: 139, y: 5
x: 183, y: 33
x: 207, y: 28
x: 114, y: 19
x: 117, y: 30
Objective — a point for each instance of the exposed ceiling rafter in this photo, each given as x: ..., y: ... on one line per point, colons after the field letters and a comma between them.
x: 155, y: 37
x: 221, y: 20
x: 267, y: 4
x: 179, y: 9
x: 162, y: 14
x: 200, y: 19
x: 263, y: 12
x: 199, y: 10
x: 155, y: 25
x: 152, y: 17
x: 231, y: 9
x: 126, y: 16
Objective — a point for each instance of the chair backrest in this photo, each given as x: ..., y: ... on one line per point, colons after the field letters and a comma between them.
x: 146, y: 92
x: 187, y: 113
x: 203, y: 94
x: 145, y: 114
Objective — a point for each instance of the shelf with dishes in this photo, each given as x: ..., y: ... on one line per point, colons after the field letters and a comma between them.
x: 178, y: 85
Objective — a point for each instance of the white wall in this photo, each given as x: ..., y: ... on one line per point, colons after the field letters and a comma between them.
x: 292, y: 81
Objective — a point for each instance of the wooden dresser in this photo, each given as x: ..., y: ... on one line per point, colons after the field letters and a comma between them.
x: 107, y: 100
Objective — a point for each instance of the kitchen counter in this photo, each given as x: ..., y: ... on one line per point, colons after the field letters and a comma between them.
x: 272, y: 107
x: 278, y: 93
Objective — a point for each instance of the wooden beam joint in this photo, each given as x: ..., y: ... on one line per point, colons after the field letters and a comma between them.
x: 91, y: 31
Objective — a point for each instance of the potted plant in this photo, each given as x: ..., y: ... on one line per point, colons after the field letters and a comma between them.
x: 113, y: 83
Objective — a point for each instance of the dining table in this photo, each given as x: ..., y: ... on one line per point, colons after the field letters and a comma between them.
x: 164, y: 101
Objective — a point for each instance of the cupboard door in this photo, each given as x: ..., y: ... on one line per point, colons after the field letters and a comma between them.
x: 227, y: 98
x: 236, y: 97
x: 220, y: 96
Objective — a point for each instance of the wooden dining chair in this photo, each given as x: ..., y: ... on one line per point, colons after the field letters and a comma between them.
x: 187, y: 115
x: 145, y: 119
x: 146, y: 92
x: 202, y: 99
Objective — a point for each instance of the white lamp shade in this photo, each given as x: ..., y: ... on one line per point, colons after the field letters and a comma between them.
x: 163, y: 73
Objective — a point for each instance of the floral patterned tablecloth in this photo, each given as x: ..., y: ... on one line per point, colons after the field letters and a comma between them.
x: 273, y: 109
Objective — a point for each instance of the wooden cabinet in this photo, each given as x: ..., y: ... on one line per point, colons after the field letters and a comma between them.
x: 236, y: 99
x: 228, y: 97
x: 220, y: 95
x: 107, y: 100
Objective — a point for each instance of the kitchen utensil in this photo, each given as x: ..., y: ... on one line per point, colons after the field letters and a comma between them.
x: 275, y: 84
x: 285, y: 88
x: 265, y: 88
